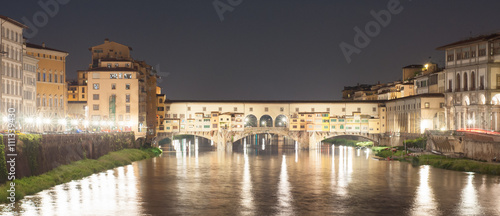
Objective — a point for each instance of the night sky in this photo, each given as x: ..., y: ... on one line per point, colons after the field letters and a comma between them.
x: 262, y: 50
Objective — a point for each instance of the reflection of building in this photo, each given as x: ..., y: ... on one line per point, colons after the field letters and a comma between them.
x: 415, y: 114
x: 51, y: 81
x: 473, y: 83
x: 11, y: 67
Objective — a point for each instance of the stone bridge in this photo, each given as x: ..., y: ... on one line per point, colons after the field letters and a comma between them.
x: 224, y: 139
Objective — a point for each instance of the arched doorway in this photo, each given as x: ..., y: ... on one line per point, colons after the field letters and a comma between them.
x: 281, y: 121
x: 250, y: 121
x: 266, y: 121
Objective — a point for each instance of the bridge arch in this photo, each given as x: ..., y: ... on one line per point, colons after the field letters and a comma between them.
x: 281, y: 121
x: 250, y: 121
x: 266, y: 121
x: 369, y: 137
x: 206, y: 135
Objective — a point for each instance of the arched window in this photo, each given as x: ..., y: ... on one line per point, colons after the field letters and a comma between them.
x: 250, y: 121
x: 465, y: 82
x: 457, y: 83
x: 472, y: 81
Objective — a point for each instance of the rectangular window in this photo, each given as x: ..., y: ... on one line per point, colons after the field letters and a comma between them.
x: 189, y: 108
x: 220, y: 109
x: 96, y: 96
x: 127, y: 108
x: 113, y: 86
x: 55, y: 78
x: 62, y: 78
x: 482, y: 50
x: 343, y: 109
x: 113, y: 76
x: 266, y: 109
x: 109, y: 65
x: 297, y: 109
x: 127, y: 98
x: 44, y: 77
x: 96, y: 75
x: 127, y: 86
x: 96, y: 107
x: 96, y: 86
x: 235, y: 109
x: 127, y: 76
x: 251, y: 109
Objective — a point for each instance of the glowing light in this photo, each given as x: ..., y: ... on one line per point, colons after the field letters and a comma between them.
x: 62, y: 121
x: 29, y: 120
x: 103, y: 123
x: 443, y: 129
x: 38, y: 120
x: 85, y: 123
x: 470, y: 121
x: 46, y: 121
x: 425, y: 124
x: 95, y: 123
x: 121, y: 123
x: 111, y: 123
x: 74, y: 122
x: 5, y: 118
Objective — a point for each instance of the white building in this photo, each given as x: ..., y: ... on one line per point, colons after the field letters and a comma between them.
x: 30, y: 65
x: 473, y: 83
x: 11, y: 57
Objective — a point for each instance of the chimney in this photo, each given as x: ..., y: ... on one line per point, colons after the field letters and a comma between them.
x: 106, y: 40
x: 43, y: 44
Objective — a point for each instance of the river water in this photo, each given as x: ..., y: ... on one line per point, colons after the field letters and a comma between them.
x: 188, y: 180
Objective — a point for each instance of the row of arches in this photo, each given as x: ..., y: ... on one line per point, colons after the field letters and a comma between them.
x: 464, y: 84
x: 266, y: 121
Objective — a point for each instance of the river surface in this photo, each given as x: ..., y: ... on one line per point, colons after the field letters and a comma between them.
x: 333, y: 181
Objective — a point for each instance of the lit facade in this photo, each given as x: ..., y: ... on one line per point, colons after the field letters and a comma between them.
x: 51, y: 86
x: 473, y: 83
x: 11, y: 66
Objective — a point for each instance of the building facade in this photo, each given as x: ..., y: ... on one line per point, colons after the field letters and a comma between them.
x: 51, y: 87
x: 473, y: 83
x: 30, y: 65
x: 120, y: 92
x: 11, y: 66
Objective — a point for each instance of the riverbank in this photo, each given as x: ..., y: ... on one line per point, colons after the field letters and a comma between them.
x: 74, y: 171
x: 443, y: 162
x: 457, y: 164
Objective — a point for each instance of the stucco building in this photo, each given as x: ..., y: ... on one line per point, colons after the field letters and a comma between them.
x: 473, y: 83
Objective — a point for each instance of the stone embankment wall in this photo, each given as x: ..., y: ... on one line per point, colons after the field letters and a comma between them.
x: 474, y: 146
x: 37, y: 154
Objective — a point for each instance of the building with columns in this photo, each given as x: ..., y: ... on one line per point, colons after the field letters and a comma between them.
x: 473, y: 83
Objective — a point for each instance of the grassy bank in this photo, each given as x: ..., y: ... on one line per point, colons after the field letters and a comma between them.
x: 348, y: 142
x: 458, y: 164
x: 75, y: 170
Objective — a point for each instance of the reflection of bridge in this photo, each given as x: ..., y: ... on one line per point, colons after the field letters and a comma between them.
x: 306, y: 140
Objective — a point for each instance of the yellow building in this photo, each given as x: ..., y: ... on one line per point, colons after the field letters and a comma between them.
x: 51, y: 82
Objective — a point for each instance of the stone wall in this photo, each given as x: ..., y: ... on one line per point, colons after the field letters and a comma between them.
x: 53, y: 150
x: 474, y: 146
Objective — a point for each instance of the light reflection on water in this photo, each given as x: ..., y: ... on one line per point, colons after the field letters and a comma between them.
x: 334, y: 180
